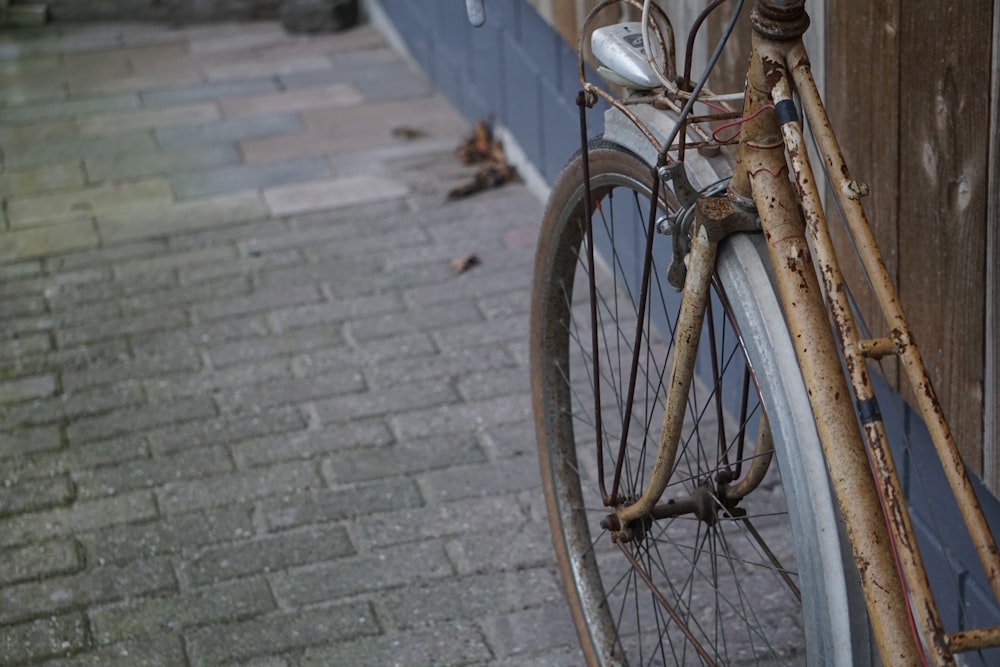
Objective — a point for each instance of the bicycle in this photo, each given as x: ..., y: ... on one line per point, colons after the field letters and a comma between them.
x: 716, y: 469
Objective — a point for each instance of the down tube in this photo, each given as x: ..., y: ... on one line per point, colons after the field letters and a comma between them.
x: 762, y: 167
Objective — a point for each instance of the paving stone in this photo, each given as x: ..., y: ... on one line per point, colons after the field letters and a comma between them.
x: 28, y: 441
x: 406, y: 346
x: 220, y: 430
x: 53, y: 208
x: 127, y: 324
x: 531, y: 632
x: 496, y: 477
x: 162, y: 78
x: 337, y: 95
x: 258, y: 300
x: 229, y: 179
x: 319, y: 506
x: 208, y: 91
x: 152, y: 472
x: 48, y: 240
x: 101, y: 584
x: 472, y: 597
x: 292, y: 390
x: 133, y: 224
x: 19, y: 307
x: 43, y: 638
x: 22, y: 91
x: 216, y: 644
x: 258, y: 36
x: 150, y: 651
x: 179, y: 534
x: 94, y: 262
x: 123, y: 364
x: 45, y: 178
x: 23, y: 389
x: 402, y: 459
x: 334, y: 193
x: 344, y: 577
x: 370, y: 147
x: 271, y: 67
x: 378, y: 81
x: 230, y: 130
x: 361, y: 39
x: 192, y: 114
x: 463, y: 416
x: 19, y: 271
x: 401, y: 398
x: 445, y: 643
x: 105, y: 426
x: 472, y: 286
x: 504, y: 548
x: 192, y: 494
x: 451, y: 362
x: 80, y: 516
x: 35, y: 494
x: 433, y: 318
x: 232, y: 379
x: 495, y: 382
x: 335, y: 311
x: 558, y: 657
x: 285, y: 344
x: 410, y: 524
x: 102, y: 168
x: 35, y: 561
x: 312, y: 544
x: 199, y: 606
x: 332, y: 438
x: 182, y: 297
x: 33, y: 113
x: 69, y: 461
x: 67, y: 406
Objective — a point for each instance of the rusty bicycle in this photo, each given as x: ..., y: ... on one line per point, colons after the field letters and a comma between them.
x: 715, y: 462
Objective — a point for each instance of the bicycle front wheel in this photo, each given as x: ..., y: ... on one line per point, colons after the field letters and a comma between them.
x: 756, y: 580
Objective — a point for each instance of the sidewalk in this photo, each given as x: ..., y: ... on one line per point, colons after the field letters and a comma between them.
x: 250, y: 414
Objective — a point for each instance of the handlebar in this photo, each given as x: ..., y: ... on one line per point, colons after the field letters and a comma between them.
x: 476, y: 12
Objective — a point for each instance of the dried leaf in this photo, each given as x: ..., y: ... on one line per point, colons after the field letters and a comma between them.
x: 481, y: 148
x: 408, y: 133
x: 464, y: 263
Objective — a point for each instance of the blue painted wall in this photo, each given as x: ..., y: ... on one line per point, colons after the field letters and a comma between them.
x: 515, y: 67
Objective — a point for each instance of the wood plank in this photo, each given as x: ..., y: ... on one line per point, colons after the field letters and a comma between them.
x: 944, y: 123
x: 730, y: 72
x: 991, y: 412
x: 862, y: 93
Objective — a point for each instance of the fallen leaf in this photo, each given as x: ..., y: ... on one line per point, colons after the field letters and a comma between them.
x: 481, y: 148
x: 408, y: 133
x: 464, y: 263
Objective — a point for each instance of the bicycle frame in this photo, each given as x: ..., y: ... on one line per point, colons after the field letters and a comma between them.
x: 904, y: 616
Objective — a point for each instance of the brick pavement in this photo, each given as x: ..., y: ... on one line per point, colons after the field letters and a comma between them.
x: 250, y: 415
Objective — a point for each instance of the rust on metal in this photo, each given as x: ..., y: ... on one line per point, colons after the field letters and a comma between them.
x: 974, y: 640
x: 780, y: 20
x: 927, y: 403
x: 816, y: 349
x: 701, y: 266
x: 877, y: 348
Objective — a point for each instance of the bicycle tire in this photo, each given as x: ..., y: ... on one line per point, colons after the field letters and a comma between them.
x: 623, y: 623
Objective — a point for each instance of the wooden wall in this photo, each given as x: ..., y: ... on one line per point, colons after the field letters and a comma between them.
x: 908, y: 90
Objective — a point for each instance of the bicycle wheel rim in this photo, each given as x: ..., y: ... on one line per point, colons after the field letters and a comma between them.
x: 826, y: 591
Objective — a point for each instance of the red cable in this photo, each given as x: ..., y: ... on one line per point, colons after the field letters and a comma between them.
x: 738, y: 121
